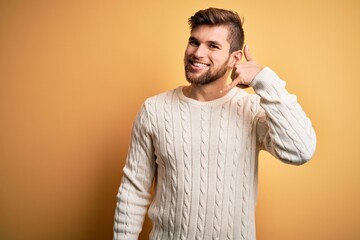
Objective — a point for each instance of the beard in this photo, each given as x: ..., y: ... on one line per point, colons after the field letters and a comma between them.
x: 209, y: 76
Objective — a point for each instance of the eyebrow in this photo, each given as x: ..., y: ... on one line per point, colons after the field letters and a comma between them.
x: 191, y: 38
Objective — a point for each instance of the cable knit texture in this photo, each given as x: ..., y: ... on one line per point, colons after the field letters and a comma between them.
x: 204, y: 158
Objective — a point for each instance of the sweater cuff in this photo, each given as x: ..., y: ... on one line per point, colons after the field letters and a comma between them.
x: 265, y: 79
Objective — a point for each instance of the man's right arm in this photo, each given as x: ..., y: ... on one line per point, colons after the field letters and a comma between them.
x: 133, y: 196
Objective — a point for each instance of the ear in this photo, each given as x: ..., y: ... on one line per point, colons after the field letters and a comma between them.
x: 235, y: 57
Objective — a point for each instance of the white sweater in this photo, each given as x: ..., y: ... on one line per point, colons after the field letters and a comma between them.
x: 203, y: 157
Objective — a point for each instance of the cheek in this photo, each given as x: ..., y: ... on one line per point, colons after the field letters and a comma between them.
x: 218, y: 61
x: 187, y: 52
x: 223, y: 59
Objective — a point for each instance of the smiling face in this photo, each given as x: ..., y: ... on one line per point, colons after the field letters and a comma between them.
x: 207, y: 56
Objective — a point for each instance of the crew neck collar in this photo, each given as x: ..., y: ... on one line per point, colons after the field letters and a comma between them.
x: 217, y: 101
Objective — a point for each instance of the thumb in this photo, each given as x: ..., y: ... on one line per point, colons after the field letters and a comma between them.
x: 247, y: 54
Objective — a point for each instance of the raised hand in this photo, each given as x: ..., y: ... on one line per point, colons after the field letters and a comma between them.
x: 243, y: 73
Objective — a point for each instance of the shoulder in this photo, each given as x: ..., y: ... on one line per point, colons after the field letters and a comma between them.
x: 246, y: 103
x: 161, y: 97
x: 154, y: 104
x: 245, y: 97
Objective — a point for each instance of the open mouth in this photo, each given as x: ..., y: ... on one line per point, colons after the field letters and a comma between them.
x: 196, y: 65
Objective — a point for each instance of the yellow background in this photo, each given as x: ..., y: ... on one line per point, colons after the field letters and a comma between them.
x: 74, y: 73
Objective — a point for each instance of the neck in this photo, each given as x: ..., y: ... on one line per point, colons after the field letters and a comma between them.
x: 207, y: 92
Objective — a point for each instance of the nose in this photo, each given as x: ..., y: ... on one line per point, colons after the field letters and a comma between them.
x: 200, y: 51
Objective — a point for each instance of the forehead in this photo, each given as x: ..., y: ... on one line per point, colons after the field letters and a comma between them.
x: 205, y: 33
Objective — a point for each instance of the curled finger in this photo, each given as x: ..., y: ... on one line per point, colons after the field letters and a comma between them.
x: 231, y: 85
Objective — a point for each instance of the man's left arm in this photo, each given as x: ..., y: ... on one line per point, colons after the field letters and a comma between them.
x: 283, y: 129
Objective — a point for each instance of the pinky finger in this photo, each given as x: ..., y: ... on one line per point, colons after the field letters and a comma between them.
x: 230, y: 86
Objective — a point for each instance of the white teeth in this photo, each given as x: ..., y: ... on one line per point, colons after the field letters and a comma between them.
x: 201, y: 65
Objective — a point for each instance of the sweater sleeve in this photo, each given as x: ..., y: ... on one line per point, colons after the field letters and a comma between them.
x: 283, y: 129
x: 133, y: 196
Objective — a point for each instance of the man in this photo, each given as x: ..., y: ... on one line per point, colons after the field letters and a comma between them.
x: 200, y: 143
